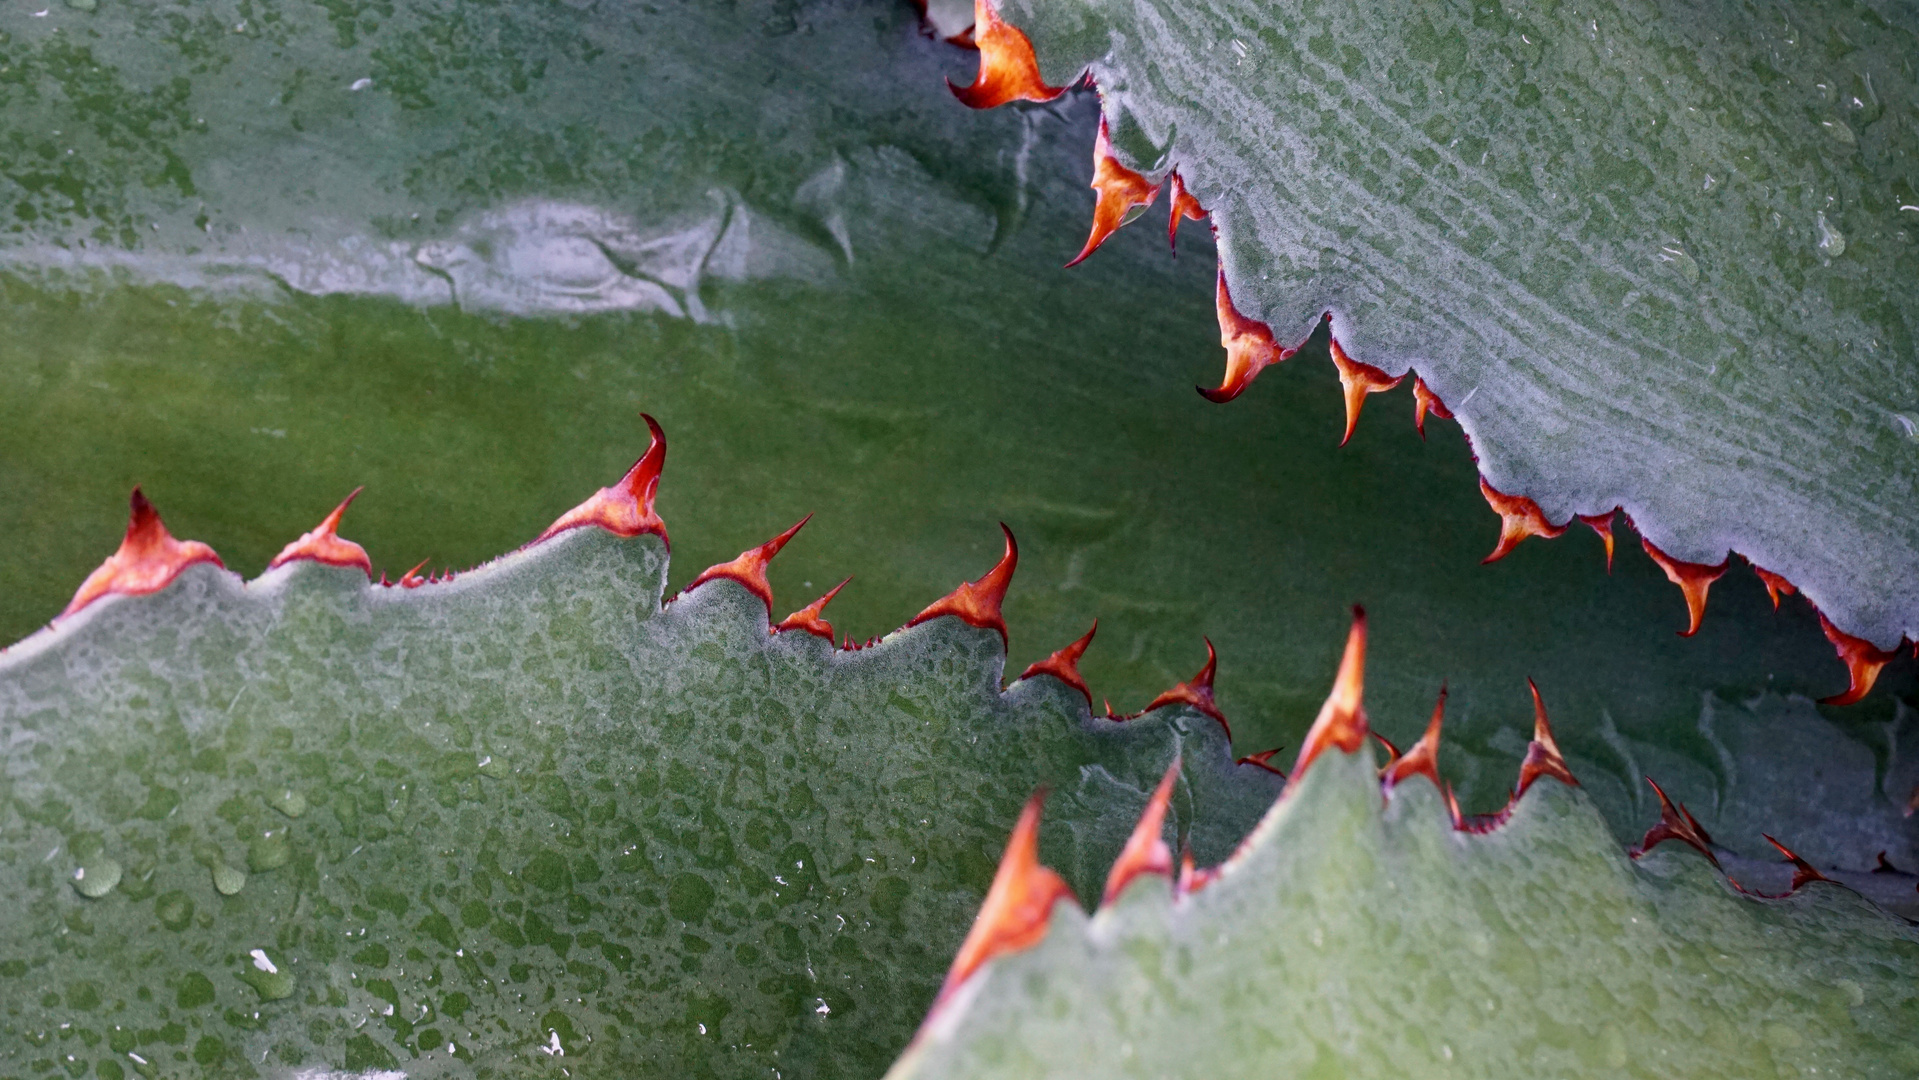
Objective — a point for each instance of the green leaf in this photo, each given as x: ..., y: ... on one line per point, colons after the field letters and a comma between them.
x: 1347, y: 939
x: 526, y: 812
x: 1652, y: 258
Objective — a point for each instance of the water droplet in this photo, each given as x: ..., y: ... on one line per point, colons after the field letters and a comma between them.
x: 269, y: 978
x: 824, y: 1009
x: 289, y: 802
x: 491, y: 766
x: 1832, y: 242
x: 1840, y: 131
x: 1907, y: 423
x: 360, y: 84
x: 96, y: 878
x: 1710, y: 183
x: 268, y: 852
x: 174, y: 909
x: 227, y: 880
x: 1682, y: 264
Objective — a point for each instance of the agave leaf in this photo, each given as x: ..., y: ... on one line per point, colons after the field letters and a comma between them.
x: 1353, y: 938
x: 1650, y: 259
x: 468, y: 824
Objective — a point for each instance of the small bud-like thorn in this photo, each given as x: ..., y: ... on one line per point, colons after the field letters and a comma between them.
x: 1803, y: 872
x: 1425, y: 401
x: 1342, y: 719
x: 1422, y: 759
x: 1885, y: 866
x: 808, y: 618
x: 1064, y: 666
x: 323, y: 544
x: 148, y: 560
x: 1357, y: 380
x: 1776, y: 586
x: 1519, y: 517
x: 977, y: 603
x: 750, y: 568
x: 1392, y: 751
x: 1191, y: 879
x: 1008, y: 70
x: 1864, y: 661
x: 1693, y: 579
x: 1602, y: 524
x: 1675, y: 823
x: 1264, y: 760
x: 1249, y: 345
x: 1452, y: 808
x: 412, y: 579
x: 1145, y: 851
x: 1119, y: 190
x: 1196, y: 692
x: 1184, y: 206
x: 1542, y: 754
x: 1018, y: 906
x: 626, y: 508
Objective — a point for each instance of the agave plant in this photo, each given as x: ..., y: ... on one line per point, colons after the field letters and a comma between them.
x: 583, y: 808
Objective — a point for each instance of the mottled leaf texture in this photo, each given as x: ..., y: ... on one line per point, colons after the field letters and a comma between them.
x: 1651, y: 256
x: 1346, y: 939
x: 522, y: 821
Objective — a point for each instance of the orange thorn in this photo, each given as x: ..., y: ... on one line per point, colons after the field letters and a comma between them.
x: 148, y: 560
x: 1264, y: 760
x: 1452, y: 808
x: 1018, y: 906
x: 1249, y: 345
x: 1064, y: 666
x: 1192, y: 880
x: 1392, y: 751
x: 1358, y: 380
x: 1776, y: 586
x: 1184, y: 206
x: 1693, y: 580
x: 750, y: 568
x: 1519, y: 517
x: 1342, y: 719
x: 1422, y: 759
x: 1542, y: 754
x: 412, y: 579
x: 808, y: 618
x: 1145, y: 851
x: 977, y: 603
x: 1674, y: 824
x: 1008, y: 70
x: 1803, y: 872
x: 1196, y: 692
x: 626, y: 508
x: 1602, y: 524
x: 1425, y: 401
x: 323, y: 543
x: 1119, y: 190
x: 1863, y: 661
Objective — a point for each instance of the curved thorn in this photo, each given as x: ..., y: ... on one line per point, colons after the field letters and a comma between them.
x: 148, y: 560
x: 977, y: 603
x: 1008, y: 70
x: 1542, y: 754
x: 1519, y: 517
x: 1864, y: 661
x: 1263, y: 760
x: 1422, y: 758
x: 1249, y: 346
x: 626, y: 508
x: 1425, y: 401
x: 1064, y: 666
x: 1392, y: 750
x: 1118, y: 190
x: 1602, y: 524
x: 412, y: 579
x: 1191, y: 879
x: 1693, y: 579
x: 750, y: 568
x: 1803, y: 872
x: 323, y: 543
x: 1145, y: 851
x: 1776, y: 584
x: 1356, y: 380
x: 808, y: 618
x: 1196, y: 692
x: 1184, y: 207
x: 1675, y: 823
x: 1018, y: 907
x: 1342, y: 719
